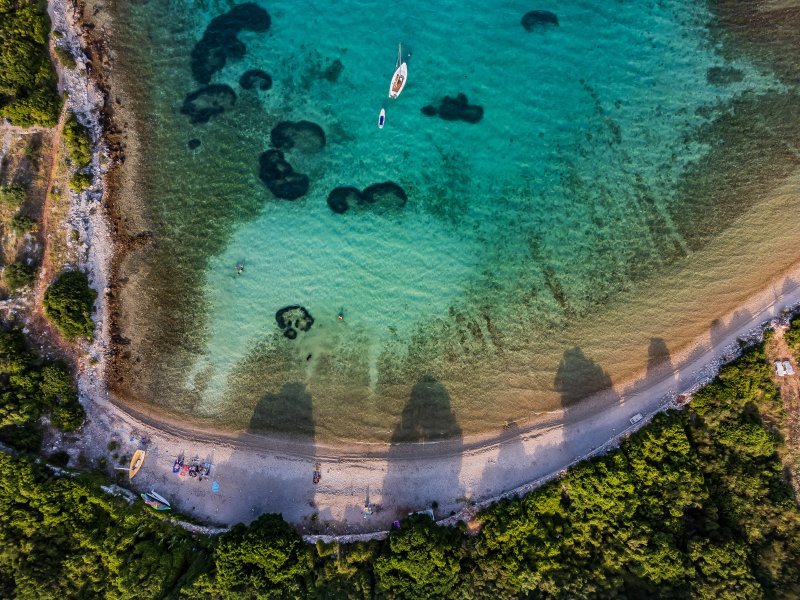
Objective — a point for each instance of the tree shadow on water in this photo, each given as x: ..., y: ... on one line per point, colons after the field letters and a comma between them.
x: 579, y: 377
x: 288, y: 411
x: 426, y: 418
x: 522, y: 459
x: 427, y: 415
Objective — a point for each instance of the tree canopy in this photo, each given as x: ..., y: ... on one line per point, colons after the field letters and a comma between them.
x: 68, y: 303
x: 28, y: 94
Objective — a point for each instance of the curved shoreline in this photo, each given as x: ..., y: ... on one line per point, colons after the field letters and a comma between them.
x: 257, y: 474
x: 459, y: 475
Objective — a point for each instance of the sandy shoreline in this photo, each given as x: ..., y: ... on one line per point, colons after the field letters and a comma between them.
x: 257, y: 474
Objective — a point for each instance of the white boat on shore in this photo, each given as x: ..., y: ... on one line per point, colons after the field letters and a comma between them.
x: 400, y: 75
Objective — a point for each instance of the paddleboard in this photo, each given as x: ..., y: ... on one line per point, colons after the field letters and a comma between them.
x: 382, y: 118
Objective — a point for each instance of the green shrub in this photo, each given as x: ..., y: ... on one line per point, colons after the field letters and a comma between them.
x: 80, y: 181
x: 792, y: 335
x: 19, y: 275
x: 56, y: 383
x: 28, y: 94
x: 69, y: 415
x: 78, y: 142
x: 22, y: 224
x: 68, y: 304
x: 12, y: 195
x: 65, y: 57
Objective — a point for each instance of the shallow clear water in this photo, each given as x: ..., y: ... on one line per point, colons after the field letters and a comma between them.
x: 520, y: 233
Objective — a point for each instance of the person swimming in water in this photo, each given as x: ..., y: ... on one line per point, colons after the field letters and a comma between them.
x: 240, y: 268
x: 340, y: 316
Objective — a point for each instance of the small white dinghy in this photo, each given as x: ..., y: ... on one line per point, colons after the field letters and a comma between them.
x: 399, y: 77
x: 382, y: 118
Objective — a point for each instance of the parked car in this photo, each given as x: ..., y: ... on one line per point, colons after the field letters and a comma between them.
x: 787, y: 366
x: 779, y: 368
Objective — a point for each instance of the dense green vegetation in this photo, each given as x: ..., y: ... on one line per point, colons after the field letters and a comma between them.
x: 31, y: 388
x: 65, y: 57
x: 78, y: 142
x: 79, y: 147
x: 18, y: 274
x: 792, y: 336
x: 63, y: 538
x: 22, y: 224
x: 12, y: 195
x: 68, y: 303
x: 695, y: 505
x: 28, y: 93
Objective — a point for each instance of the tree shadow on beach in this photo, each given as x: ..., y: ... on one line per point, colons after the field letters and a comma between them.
x: 585, y: 389
x: 427, y: 423
x: 289, y: 411
x: 659, y: 360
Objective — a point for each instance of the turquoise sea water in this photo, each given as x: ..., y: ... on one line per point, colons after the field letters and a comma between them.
x: 567, y: 194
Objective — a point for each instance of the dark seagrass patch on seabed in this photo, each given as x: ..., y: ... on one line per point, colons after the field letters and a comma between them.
x: 292, y: 319
x: 220, y: 41
x: 207, y: 102
x: 455, y: 109
x: 255, y: 78
x: 304, y: 136
x: 723, y: 75
x: 539, y: 19
x: 341, y: 198
x: 386, y: 196
x: 280, y: 177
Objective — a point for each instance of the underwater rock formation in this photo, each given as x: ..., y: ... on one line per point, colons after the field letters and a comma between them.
x: 208, y: 102
x: 303, y: 135
x: 250, y: 78
x: 280, y: 178
x: 340, y: 199
x: 220, y: 41
x: 193, y: 144
x: 455, y: 109
x: 292, y: 319
x: 387, y: 196
x: 539, y: 19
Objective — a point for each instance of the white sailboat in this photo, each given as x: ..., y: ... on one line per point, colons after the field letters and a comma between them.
x: 400, y: 75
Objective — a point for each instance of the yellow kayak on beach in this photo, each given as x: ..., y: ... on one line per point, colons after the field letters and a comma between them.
x: 136, y: 463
